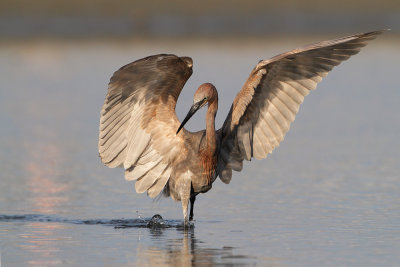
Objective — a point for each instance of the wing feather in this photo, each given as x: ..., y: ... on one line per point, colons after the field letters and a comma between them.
x: 158, y: 185
x: 138, y: 120
x: 268, y: 102
x: 147, y: 180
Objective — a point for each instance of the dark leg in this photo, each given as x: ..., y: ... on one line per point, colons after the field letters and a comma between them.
x: 192, y: 200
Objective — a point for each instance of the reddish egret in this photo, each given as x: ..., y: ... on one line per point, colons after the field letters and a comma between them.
x: 139, y: 129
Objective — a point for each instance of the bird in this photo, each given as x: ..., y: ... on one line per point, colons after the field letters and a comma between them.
x: 140, y: 131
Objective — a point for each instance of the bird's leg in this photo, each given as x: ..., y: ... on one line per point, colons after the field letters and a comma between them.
x: 185, y: 202
x: 185, y: 195
x: 192, y: 200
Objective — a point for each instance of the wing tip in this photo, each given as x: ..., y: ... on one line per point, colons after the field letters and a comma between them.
x: 371, y: 35
x: 188, y: 61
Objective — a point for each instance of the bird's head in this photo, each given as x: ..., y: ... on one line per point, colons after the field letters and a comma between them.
x: 205, y: 94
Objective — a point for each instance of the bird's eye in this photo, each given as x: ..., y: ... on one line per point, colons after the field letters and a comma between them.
x: 205, y: 98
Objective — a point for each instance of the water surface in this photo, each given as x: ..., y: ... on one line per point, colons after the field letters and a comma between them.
x: 329, y: 195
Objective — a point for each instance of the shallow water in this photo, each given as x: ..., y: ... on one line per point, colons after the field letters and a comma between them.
x: 329, y: 195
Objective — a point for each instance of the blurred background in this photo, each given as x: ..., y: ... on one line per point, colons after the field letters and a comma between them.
x: 180, y: 18
x: 328, y: 194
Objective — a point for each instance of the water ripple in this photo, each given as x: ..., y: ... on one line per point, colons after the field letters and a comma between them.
x: 154, y: 222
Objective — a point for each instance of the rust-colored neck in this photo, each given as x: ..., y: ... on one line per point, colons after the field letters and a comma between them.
x: 210, y: 125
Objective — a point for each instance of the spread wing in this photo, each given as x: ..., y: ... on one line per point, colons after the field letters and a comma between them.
x: 267, y: 104
x: 138, y: 121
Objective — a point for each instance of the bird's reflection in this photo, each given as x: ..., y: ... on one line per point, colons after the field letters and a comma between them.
x: 186, y: 250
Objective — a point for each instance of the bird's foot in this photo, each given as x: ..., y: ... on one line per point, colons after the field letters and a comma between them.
x: 188, y: 225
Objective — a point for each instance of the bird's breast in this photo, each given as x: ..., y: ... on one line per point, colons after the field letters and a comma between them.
x: 207, y: 169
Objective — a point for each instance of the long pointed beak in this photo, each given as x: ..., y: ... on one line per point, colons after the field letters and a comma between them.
x: 195, y: 107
